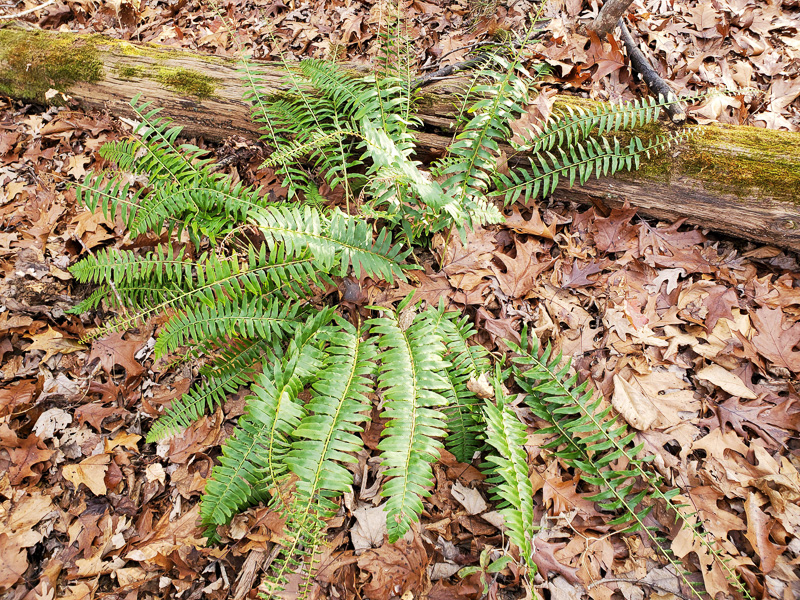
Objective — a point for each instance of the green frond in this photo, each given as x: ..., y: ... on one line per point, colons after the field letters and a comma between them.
x: 588, y: 438
x: 253, y: 317
x: 234, y: 368
x: 112, y: 195
x: 508, y: 436
x: 593, y: 157
x: 210, y: 203
x: 465, y: 362
x: 217, y: 280
x: 476, y: 147
x: 410, y: 379
x: 326, y: 436
x: 571, y: 125
x: 340, y: 238
x: 125, y: 267
x: 254, y: 455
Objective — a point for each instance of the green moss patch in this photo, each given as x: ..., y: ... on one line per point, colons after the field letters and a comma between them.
x: 186, y: 82
x: 743, y: 161
x: 128, y: 72
x: 32, y: 62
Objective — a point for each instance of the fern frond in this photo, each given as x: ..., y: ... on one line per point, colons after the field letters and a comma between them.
x: 340, y: 239
x: 257, y: 318
x: 215, y: 281
x: 235, y: 367
x: 336, y: 411
x: 410, y: 377
x: 594, y: 156
x: 465, y: 362
x: 253, y: 456
x: 197, y: 203
x: 112, y: 195
x: 508, y: 436
x: 326, y: 438
x: 477, y: 145
x: 571, y: 125
x: 588, y: 438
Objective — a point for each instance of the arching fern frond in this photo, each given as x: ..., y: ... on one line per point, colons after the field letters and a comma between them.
x: 246, y: 317
x: 410, y: 377
x: 253, y: 456
x: 465, y: 362
x: 588, y: 437
x: 508, y: 436
x: 340, y: 238
x: 232, y: 369
x: 593, y: 157
x: 326, y: 438
x: 215, y: 281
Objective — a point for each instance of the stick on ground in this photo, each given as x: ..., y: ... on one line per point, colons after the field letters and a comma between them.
x: 654, y: 82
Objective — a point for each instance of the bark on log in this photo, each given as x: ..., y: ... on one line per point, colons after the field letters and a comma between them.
x: 608, y: 16
x: 742, y: 181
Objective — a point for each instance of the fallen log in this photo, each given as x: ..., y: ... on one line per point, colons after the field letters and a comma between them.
x: 742, y: 181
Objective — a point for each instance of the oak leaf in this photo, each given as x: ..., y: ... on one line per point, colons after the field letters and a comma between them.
x: 774, y: 342
x: 24, y: 458
x: 759, y: 526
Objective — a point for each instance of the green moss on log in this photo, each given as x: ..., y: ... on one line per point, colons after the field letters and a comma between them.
x: 742, y: 161
x: 32, y: 62
x: 129, y: 72
x: 186, y: 82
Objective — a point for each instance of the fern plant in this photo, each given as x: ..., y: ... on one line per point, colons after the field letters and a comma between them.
x: 241, y: 295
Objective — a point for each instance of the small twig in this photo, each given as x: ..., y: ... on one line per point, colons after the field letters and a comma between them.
x: 449, y: 70
x: 655, y: 84
x: 28, y: 11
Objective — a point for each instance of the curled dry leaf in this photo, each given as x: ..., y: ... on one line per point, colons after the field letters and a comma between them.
x: 636, y: 408
x: 469, y: 498
x: 480, y: 386
x: 724, y: 379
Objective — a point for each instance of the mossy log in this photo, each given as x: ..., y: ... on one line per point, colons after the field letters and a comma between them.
x: 741, y: 181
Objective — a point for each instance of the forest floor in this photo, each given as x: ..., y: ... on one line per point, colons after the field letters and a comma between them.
x: 699, y: 329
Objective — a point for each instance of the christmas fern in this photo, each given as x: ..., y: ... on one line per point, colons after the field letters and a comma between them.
x: 244, y: 296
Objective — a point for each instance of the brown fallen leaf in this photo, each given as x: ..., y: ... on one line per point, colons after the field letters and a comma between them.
x: 24, y: 458
x: 13, y: 561
x: 633, y: 404
x: 774, y: 342
x: 724, y: 379
x: 90, y: 472
x: 53, y: 342
x: 759, y: 526
x: 394, y: 569
x: 532, y: 226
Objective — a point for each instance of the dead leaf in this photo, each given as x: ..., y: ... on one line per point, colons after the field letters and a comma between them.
x: 90, y: 472
x: 24, y: 458
x: 469, y: 498
x: 394, y: 569
x: 759, y: 526
x: 726, y: 380
x: 634, y: 406
x: 370, y: 528
x: 773, y: 341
